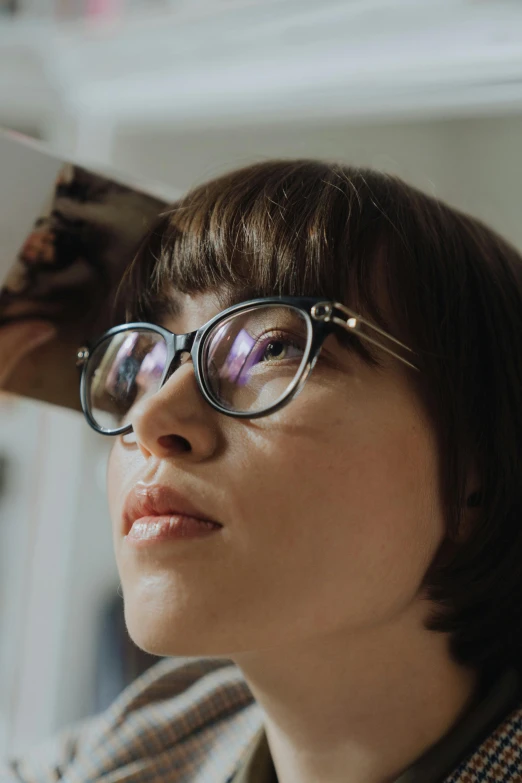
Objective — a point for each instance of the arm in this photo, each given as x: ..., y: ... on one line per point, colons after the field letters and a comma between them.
x: 17, y: 340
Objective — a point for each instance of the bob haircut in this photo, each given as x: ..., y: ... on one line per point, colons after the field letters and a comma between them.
x: 453, y: 294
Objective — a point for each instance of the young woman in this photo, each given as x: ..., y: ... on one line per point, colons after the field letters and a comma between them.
x: 315, y: 488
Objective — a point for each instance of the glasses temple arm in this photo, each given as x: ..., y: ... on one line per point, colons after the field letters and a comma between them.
x: 352, y: 324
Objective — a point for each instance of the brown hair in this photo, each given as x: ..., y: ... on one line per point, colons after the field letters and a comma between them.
x: 455, y: 294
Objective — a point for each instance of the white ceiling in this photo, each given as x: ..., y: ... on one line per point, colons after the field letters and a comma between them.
x: 275, y: 60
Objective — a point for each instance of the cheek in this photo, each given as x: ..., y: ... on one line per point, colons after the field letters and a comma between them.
x: 333, y: 522
x: 351, y: 508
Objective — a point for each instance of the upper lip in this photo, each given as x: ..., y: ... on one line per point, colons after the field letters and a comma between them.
x: 153, y: 500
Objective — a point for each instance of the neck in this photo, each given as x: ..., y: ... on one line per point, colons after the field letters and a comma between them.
x: 368, y: 702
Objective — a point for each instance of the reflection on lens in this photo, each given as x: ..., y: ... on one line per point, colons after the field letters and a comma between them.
x: 252, y: 359
x: 123, y: 370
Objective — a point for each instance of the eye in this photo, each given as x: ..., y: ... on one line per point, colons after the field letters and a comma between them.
x: 280, y: 347
x: 275, y: 350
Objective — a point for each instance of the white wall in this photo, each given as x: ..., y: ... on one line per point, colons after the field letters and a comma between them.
x: 57, y: 570
x: 472, y: 163
x: 91, y: 580
x: 489, y: 155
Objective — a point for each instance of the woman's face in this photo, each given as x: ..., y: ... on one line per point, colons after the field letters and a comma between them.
x: 330, y: 508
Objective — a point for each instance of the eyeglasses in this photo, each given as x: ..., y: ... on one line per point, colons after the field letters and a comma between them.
x: 249, y: 360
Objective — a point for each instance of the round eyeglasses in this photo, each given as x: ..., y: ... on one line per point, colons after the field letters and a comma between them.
x: 249, y: 360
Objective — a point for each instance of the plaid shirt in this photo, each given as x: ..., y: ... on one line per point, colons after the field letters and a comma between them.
x: 195, y: 721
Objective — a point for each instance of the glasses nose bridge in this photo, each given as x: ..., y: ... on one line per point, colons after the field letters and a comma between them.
x: 181, y: 344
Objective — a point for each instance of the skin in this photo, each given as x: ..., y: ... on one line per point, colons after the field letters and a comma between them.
x: 331, y: 515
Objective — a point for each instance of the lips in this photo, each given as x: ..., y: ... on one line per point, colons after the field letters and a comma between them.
x: 156, y: 500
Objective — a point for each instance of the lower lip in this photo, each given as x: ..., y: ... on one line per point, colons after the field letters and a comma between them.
x: 153, y: 530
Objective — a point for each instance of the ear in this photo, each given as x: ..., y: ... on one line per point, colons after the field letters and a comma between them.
x: 474, y: 500
x: 473, y: 503
x: 473, y: 486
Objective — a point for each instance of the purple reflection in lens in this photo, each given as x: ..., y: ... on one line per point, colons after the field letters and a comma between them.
x: 153, y: 364
x: 114, y: 377
x: 241, y: 358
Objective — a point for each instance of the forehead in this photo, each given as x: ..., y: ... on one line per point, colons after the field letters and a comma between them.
x: 182, y: 313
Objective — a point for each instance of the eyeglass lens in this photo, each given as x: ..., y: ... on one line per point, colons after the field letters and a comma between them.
x: 249, y: 362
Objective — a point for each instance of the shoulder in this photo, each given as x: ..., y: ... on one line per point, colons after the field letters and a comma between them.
x: 498, y: 757
x: 194, y: 680
x: 194, y: 716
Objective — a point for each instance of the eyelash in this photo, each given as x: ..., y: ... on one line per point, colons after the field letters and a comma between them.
x: 284, y: 337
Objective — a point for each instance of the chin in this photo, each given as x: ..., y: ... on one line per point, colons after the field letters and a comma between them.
x: 155, y: 636
x: 165, y: 631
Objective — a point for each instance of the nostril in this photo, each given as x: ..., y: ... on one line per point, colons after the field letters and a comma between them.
x: 175, y: 443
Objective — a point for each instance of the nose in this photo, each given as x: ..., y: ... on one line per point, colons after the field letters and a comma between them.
x: 176, y: 421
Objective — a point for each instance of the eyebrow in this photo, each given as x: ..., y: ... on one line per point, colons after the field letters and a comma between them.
x: 232, y: 296
x: 169, y: 305
x: 166, y: 306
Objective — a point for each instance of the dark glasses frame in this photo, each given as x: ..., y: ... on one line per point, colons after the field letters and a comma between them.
x: 322, y: 317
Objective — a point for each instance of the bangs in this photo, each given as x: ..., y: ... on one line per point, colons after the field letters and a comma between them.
x: 282, y: 228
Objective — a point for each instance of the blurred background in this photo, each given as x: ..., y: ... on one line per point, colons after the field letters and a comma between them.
x: 177, y: 92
